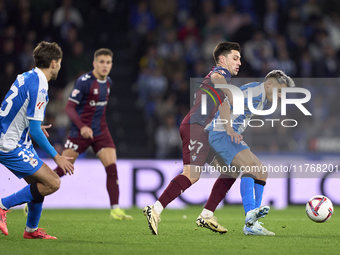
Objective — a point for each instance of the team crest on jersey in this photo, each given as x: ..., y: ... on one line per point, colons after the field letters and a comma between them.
x: 43, y: 91
x: 33, y: 162
x: 95, y: 92
x: 75, y: 92
x: 222, y: 72
x: 194, y: 157
x: 243, y: 143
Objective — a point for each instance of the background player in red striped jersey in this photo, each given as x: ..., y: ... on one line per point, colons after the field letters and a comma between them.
x: 86, y: 108
x: 195, y: 143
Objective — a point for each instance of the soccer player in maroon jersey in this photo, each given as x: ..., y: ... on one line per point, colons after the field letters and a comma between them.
x: 195, y: 142
x: 86, y: 108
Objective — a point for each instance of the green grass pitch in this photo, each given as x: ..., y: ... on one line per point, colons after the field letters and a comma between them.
x: 92, y: 232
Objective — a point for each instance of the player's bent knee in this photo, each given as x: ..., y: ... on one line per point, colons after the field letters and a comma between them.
x: 194, y: 180
x: 192, y: 173
x: 263, y: 175
x: 54, y: 185
x: 57, y: 184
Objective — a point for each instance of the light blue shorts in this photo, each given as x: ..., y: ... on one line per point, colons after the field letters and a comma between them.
x: 21, y: 161
x: 221, y: 143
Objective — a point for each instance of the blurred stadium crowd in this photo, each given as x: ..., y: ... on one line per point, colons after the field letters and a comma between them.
x: 159, y: 45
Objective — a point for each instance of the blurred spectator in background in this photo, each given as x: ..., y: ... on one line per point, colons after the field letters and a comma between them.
x: 7, y: 78
x: 26, y: 58
x: 67, y: 13
x: 3, y: 15
x: 44, y: 28
x: 231, y: 21
x: 78, y: 61
x: 65, y: 17
x: 271, y: 19
x: 9, y: 55
x: 170, y: 45
x: 167, y: 138
x: 258, y: 50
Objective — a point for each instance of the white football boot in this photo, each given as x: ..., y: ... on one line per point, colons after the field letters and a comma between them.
x: 257, y: 229
x: 253, y: 215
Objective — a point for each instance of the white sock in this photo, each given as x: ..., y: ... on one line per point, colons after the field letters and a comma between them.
x: 114, y: 207
x: 158, y: 207
x: 207, y: 213
x: 2, y: 206
x: 30, y: 230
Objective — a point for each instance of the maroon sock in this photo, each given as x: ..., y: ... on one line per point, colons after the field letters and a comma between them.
x: 112, y: 183
x: 177, y: 186
x: 218, y: 192
x: 59, y: 171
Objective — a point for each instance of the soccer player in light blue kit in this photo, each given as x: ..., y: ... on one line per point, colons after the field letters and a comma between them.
x: 238, y: 153
x: 21, y: 114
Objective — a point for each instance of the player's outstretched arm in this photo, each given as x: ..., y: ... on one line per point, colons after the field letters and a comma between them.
x: 225, y: 115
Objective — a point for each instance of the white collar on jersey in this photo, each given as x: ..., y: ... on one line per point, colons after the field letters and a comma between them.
x: 102, y: 81
x: 40, y: 73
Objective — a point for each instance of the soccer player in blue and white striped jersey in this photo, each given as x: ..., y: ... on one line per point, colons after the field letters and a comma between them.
x: 238, y: 154
x: 21, y: 114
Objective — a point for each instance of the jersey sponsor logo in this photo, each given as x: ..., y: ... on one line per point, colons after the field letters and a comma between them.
x: 43, y: 91
x: 75, y: 92
x: 40, y: 104
x: 100, y: 103
x: 85, y: 77
x: 95, y: 92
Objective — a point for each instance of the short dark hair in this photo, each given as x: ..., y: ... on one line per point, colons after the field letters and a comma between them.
x: 102, y: 51
x: 45, y: 52
x: 225, y: 48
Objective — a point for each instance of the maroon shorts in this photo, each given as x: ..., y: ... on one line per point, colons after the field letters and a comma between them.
x: 80, y: 144
x: 195, y: 145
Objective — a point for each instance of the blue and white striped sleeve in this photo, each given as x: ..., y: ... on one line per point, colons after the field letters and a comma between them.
x: 38, y: 99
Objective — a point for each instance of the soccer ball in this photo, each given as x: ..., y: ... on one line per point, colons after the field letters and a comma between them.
x: 319, y: 208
